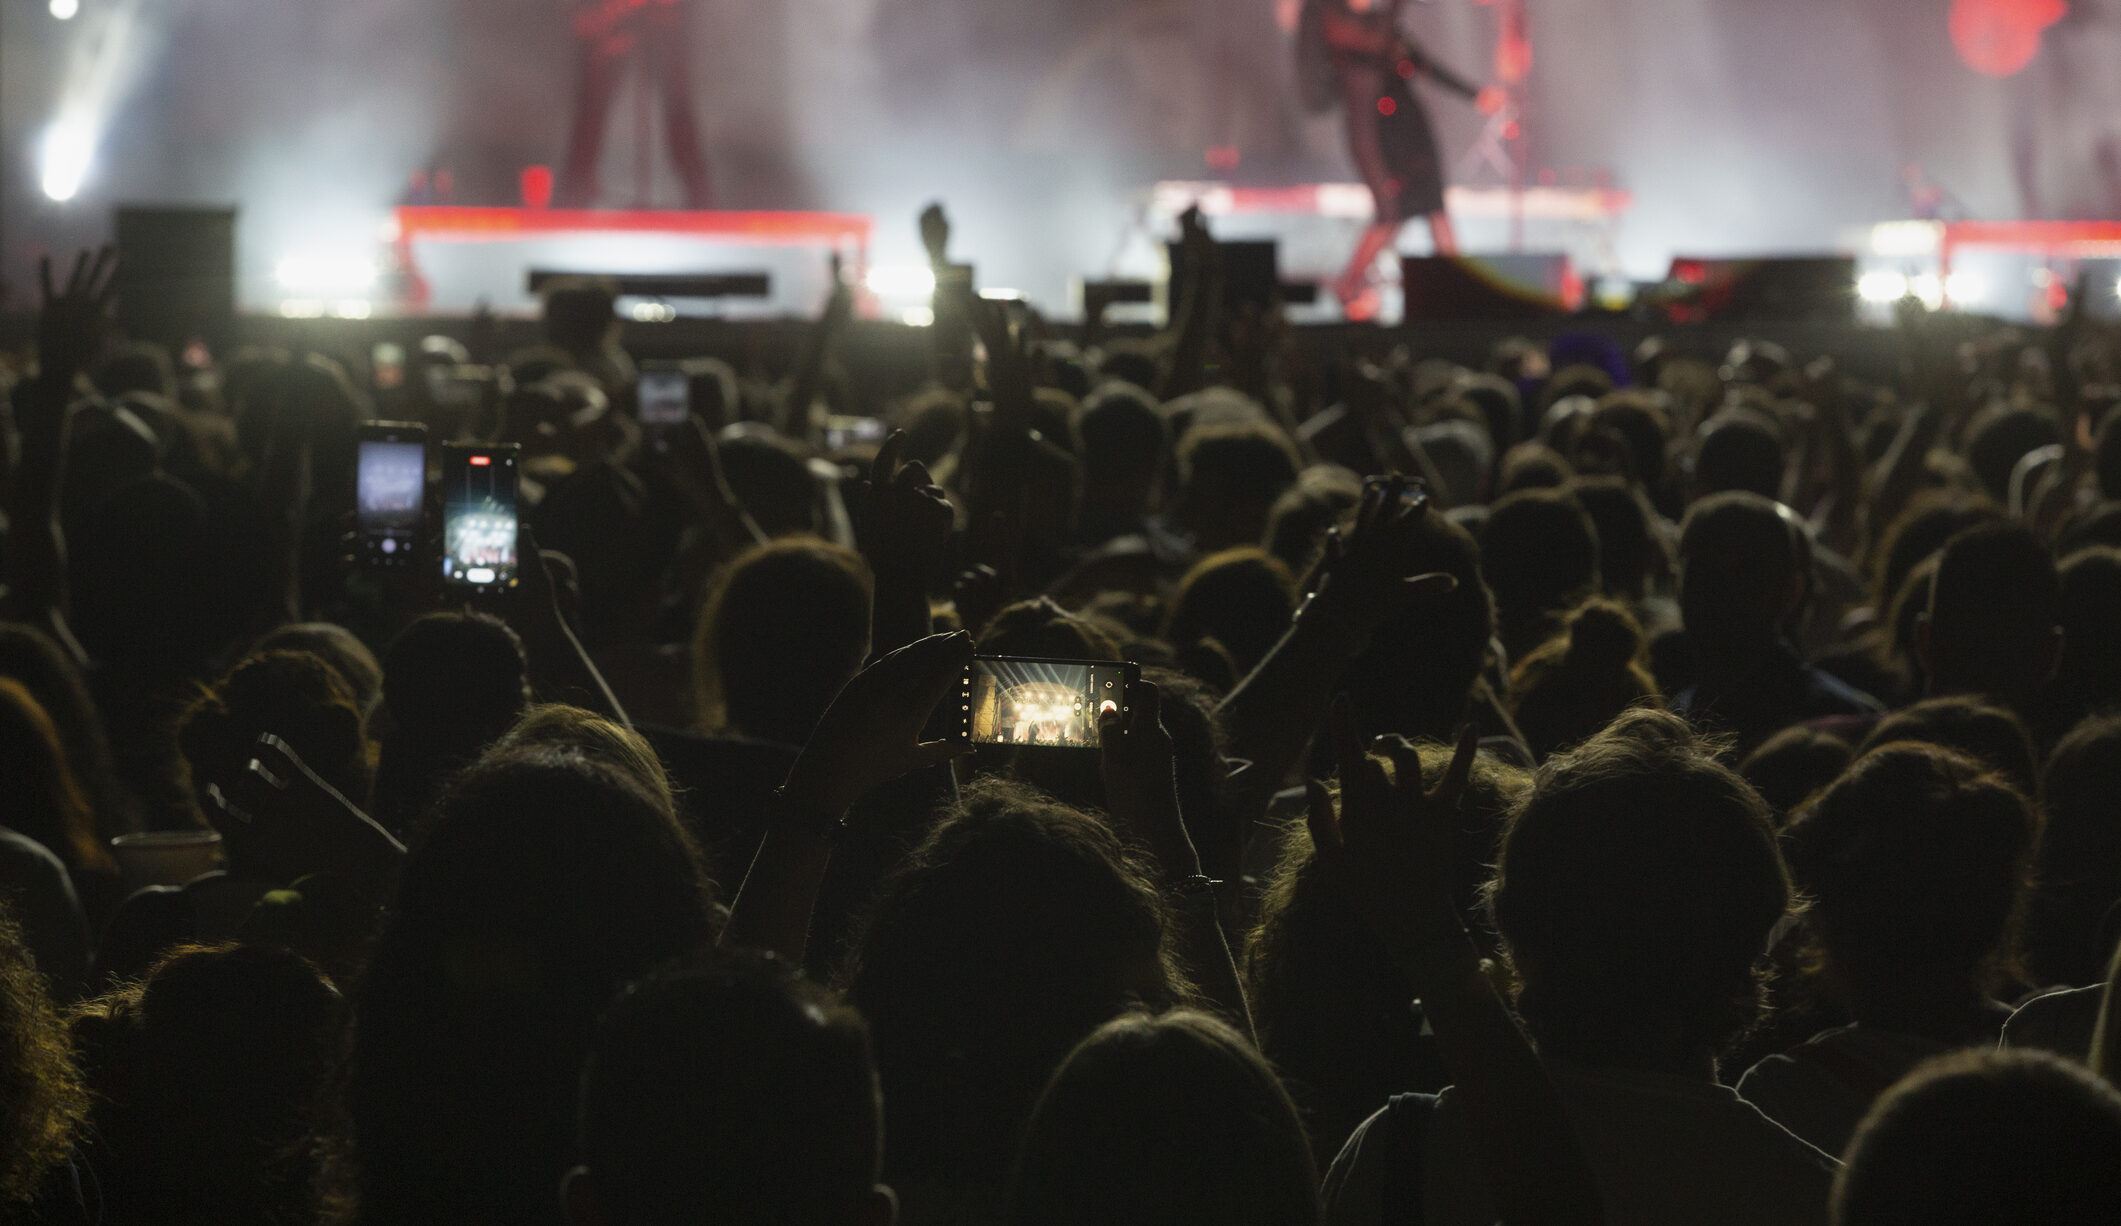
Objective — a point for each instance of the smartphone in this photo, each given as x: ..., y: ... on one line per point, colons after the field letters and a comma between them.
x: 1416, y: 493
x: 1054, y: 704
x: 390, y: 491
x: 666, y: 396
x: 842, y: 433
x: 479, y: 517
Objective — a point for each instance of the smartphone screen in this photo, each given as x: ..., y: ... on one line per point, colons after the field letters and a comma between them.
x: 842, y: 433
x: 479, y: 517
x: 1013, y: 700
x: 390, y: 491
x: 666, y: 396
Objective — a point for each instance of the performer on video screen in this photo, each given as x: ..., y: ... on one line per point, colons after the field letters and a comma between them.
x: 614, y: 34
x: 1354, y: 54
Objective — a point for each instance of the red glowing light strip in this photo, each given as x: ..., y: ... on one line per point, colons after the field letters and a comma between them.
x: 505, y: 224
x: 2048, y: 237
x: 481, y: 461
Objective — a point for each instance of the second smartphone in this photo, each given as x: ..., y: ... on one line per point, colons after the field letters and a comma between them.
x: 479, y: 517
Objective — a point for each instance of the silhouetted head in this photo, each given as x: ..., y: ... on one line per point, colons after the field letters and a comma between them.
x: 337, y: 646
x: 44, y: 799
x: 546, y: 880
x: 1124, y: 441
x: 1994, y: 621
x: 452, y: 684
x: 1988, y: 734
x: 1985, y: 1138
x: 2080, y: 855
x: 2088, y: 677
x: 1739, y: 578
x: 1539, y: 554
x: 1739, y: 449
x: 1016, y: 928
x: 1574, y: 684
x: 728, y: 1088
x: 1931, y: 519
x: 291, y: 695
x: 1229, y: 477
x: 1640, y: 419
x: 1242, y: 598
x: 1999, y: 437
x: 1629, y: 553
x: 1795, y: 763
x: 210, y: 1073
x: 1916, y: 863
x: 784, y: 627
x: 1636, y: 889
x: 558, y: 726
x: 1307, y: 511
x: 1211, y: 1137
x: 581, y: 314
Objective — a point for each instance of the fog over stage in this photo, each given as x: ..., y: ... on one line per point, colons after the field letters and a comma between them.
x: 1734, y: 127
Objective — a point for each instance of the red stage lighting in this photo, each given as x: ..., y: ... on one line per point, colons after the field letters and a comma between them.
x: 536, y: 182
x: 1999, y: 38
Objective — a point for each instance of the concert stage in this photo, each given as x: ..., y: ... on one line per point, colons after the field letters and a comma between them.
x: 681, y: 243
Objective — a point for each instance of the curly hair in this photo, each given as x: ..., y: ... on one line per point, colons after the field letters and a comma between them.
x: 43, y: 1103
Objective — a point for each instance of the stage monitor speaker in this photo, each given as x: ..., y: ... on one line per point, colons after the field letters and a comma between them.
x: 665, y: 285
x: 176, y: 277
x: 1802, y: 289
x: 1251, y: 274
x: 1489, y: 288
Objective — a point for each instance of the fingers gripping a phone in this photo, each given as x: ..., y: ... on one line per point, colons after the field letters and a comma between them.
x: 871, y: 734
x: 1364, y: 575
x: 1137, y: 760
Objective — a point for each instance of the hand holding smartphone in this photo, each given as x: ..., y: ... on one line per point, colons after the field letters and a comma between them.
x: 390, y: 492
x: 1052, y: 704
x: 479, y: 522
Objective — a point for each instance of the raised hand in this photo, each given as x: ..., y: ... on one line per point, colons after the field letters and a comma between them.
x: 1390, y: 843
x: 872, y: 732
x: 1136, y: 758
x: 72, y: 323
x: 908, y: 518
x: 1363, y: 578
x: 291, y: 822
x: 935, y: 234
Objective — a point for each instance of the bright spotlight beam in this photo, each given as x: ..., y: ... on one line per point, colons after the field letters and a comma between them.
x: 66, y: 10
x: 69, y: 150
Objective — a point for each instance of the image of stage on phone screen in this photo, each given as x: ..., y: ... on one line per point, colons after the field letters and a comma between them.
x: 1041, y: 702
x: 479, y: 524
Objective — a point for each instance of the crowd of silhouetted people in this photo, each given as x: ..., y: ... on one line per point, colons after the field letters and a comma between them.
x: 1667, y: 783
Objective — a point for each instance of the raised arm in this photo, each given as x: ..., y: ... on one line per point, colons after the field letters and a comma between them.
x: 560, y: 669
x: 1141, y: 787
x: 70, y: 330
x: 1389, y: 848
x: 869, y: 736
x: 809, y: 373
x: 1364, y: 583
x: 904, y: 533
